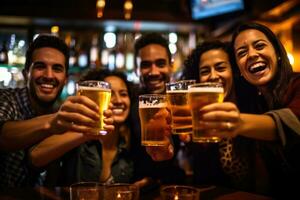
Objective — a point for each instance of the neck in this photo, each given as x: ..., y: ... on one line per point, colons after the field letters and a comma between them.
x: 41, y: 109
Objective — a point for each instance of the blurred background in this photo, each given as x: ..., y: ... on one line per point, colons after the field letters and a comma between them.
x: 101, y: 33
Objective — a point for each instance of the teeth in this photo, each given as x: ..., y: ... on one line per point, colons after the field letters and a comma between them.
x: 47, y: 86
x: 257, y: 67
x: 117, y: 111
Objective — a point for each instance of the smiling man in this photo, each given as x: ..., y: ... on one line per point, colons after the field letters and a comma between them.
x: 28, y: 115
x: 153, y: 62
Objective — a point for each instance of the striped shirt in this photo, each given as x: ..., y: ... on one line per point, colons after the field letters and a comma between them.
x: 14, y: 170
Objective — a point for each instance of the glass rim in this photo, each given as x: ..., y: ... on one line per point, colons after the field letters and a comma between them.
x: 181, y: 81
x: 208, y: 84
x: 98, y: 84
x: 194, y: 189
x: 152, y: 95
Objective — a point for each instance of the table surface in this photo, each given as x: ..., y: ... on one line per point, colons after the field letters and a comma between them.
x: 62, y: 193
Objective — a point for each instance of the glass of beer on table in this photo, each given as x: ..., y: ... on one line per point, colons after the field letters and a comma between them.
x: 100, y: 93
x: 154, y: 119
x: 181, y: 121
x: 199, y: 95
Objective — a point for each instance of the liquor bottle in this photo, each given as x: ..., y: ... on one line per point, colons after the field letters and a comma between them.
x: 3, y: 54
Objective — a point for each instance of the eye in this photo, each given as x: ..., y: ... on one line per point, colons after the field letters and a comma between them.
x: 38, y: 65
x: 124, y: 93
x: 145, y: 64
x: 160, y: 63
x: 221, y: 68
x: 240, y: 53
x: 58, y: 68
x: 260, y: 46
x: 204, y: 71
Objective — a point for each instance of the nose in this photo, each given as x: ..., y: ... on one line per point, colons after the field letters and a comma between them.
x: 115, y: 98
x: 252, y: 52
x: 154, y: 70
x: 49, y: 72
x: 213, y: 75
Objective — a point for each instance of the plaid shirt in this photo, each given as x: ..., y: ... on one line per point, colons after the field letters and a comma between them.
x: 14, y: 170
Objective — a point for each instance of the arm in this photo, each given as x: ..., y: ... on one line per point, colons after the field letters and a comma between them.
x: 54, y: 147
x: 261, y: 127
x: 77, y: 113
x: 17, y: 135
x: 229, y: 122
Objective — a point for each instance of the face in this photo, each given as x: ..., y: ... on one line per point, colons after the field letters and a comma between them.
x: 154, y: 68
x: 46, y: 76
x: 214, y: 66
x: 119, y: 98
x: 255, y: 56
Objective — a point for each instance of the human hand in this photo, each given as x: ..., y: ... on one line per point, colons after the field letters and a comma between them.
x: 77, y: 113
x: 223, y: 118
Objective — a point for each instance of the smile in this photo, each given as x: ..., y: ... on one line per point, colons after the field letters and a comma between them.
x: 257, y: 67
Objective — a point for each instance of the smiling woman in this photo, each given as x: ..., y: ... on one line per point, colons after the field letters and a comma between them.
x: 273, y: 89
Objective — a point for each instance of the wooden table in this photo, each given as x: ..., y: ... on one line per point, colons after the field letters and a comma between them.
x: 59, y: 193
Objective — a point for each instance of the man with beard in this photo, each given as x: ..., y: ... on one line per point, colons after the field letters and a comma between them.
x: 27, y: 115
x: 153, y: 64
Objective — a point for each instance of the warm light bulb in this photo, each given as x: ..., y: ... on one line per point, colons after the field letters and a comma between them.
x: 100, y: 4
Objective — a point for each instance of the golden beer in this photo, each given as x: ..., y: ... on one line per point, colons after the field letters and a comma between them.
x: 197, y: 98
x: 181, y: 122
x: 101, y: 96
x: 153, y: 118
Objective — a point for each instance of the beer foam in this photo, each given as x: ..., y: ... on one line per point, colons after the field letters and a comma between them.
x: 93, y: 88
x: 176, y: 91
x: 207, y: 89
x: 151, y: 105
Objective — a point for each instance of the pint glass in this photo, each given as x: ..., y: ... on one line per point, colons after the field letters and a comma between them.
x: 153, y: 116
x: 181, y: 121
x: 100, y: 93
x: 199, y: 95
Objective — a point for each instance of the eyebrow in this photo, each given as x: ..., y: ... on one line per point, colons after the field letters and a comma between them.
x: 254, y: 42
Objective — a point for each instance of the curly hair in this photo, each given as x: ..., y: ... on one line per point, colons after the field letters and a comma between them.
x: 191, y: 64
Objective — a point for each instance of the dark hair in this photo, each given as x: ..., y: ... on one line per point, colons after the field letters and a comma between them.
x: 151, y: 38
x: 47, y: 40
x: 191, y: 64
x: 278, y: 85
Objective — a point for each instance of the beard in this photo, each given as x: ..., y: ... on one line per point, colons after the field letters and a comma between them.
x: 162, y: 77
x: 42, y: 103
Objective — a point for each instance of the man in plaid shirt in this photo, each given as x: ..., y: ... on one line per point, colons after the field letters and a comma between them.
x: 27, y: 115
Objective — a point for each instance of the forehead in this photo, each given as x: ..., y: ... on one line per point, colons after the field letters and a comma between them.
x: 48, y: 54
x: 249, y: 36
x: 214, y: 55
x: 152, y: 52
x: 116, y: 82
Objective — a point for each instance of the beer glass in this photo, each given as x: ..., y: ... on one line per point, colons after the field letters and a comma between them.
x: 179, y: 192
x: 121, y: 191
x: 100, y: 93
x: 199, y: 95
x: 153, y: 116
x: 181, y: 121
x: 87, y: 191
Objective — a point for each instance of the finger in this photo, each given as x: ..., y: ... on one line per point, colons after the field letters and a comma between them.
x: 227, y: 106
x: 77, y: 118
x: 80, y: 108
x: 84, y: 100
x: 109, y: 128
x: 108, y: 121
x: 223, y: 126
x: 231, y: 116
x: 108, y: 113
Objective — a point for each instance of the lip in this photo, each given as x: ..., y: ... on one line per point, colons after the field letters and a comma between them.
x: 46, y: 88
x: 257, y: 68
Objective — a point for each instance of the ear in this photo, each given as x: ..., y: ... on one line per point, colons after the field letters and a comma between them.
x: 25, y: 75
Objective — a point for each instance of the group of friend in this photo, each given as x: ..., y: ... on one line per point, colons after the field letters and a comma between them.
x: 42, y: 143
